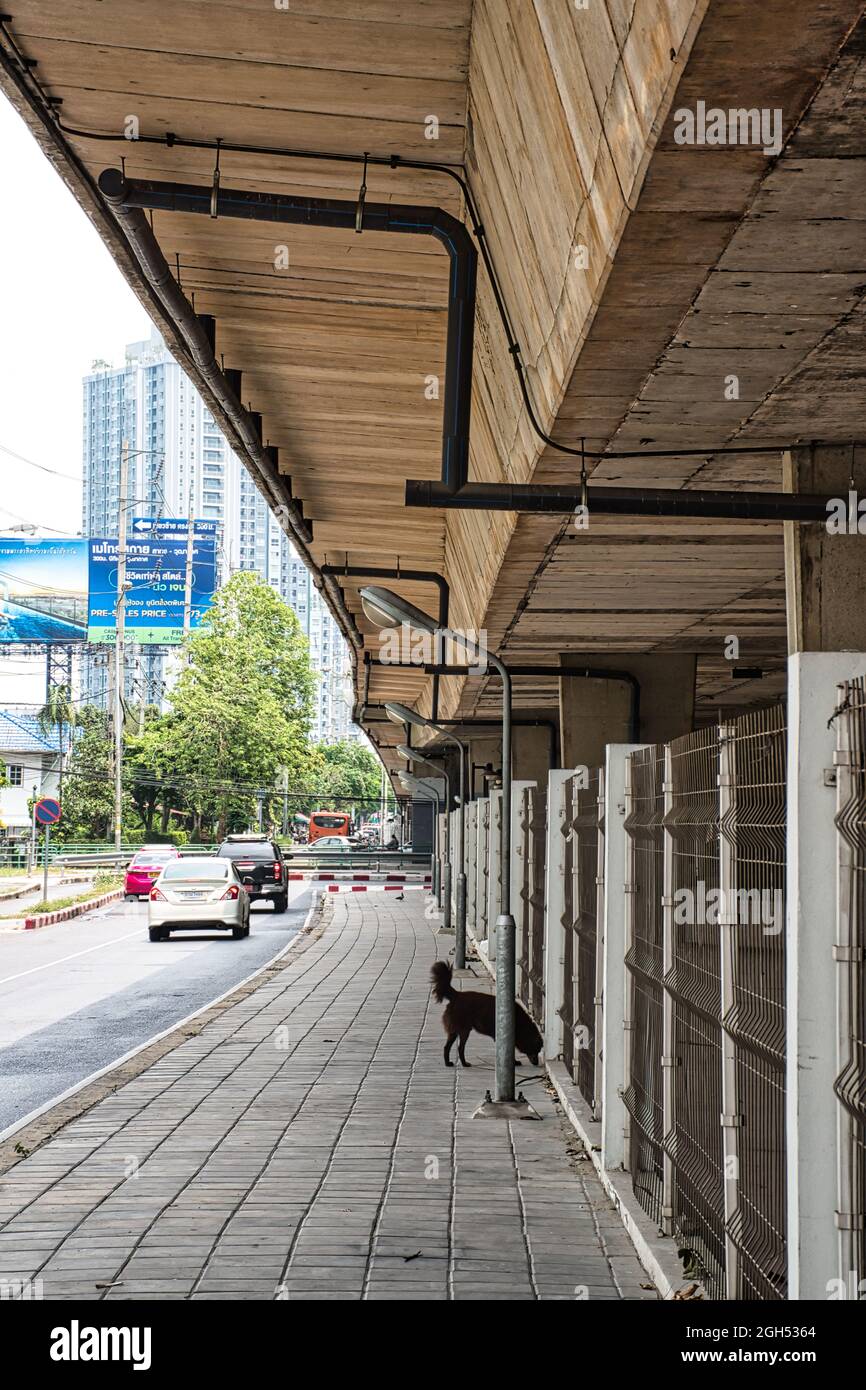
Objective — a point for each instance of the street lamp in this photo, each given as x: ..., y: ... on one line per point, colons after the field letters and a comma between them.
x: 387, y: 609
x: 402, y: 714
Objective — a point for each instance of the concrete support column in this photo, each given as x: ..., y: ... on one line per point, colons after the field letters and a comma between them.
x: 614, y: 1117
x: 824, y: 562
x: 594, y: 712
x: 554, y: 907
x: 811, y: 969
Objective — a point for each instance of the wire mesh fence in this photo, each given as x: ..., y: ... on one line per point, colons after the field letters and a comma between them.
x: 693, y: 1137
x: 754, y: 828
x: 850, y: 954
x: 643, y: 1095
x: 585, y: 925
x: 530, y: 975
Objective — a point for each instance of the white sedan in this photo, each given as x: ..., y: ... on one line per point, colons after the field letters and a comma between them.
x: 327, y: 842
x: 194, y: 894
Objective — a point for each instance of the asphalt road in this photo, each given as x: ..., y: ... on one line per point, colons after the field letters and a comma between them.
x: 77, y: 996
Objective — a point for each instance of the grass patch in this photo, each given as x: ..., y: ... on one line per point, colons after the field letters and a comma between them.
x: 105, y: 883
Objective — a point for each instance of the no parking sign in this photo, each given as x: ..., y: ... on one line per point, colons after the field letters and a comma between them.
x: 47, y: 811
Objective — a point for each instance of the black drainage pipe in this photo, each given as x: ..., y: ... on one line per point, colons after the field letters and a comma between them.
x: 413, y: 577
x: 620, y: 501
x: 128, y: 197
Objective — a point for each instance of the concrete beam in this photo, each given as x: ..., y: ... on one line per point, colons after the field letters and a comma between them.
x: 824, y: 563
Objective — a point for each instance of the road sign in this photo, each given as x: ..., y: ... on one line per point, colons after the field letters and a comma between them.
x: 47, y: 811
x: 172, y: 526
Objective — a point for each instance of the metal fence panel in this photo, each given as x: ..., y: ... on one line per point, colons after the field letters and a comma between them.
x: 693, y: 1138
x: 754, y: 829
x: 643, y: 1096
x: 530, y: 964
x: 850, y: 954
x: 585, y: 924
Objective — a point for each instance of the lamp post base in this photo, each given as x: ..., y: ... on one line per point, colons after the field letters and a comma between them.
x: 519, y: 1109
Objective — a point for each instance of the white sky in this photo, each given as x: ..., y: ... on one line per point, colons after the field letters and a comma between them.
x: 63, y: 303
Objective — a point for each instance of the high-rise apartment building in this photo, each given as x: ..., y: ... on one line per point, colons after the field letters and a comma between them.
x: 180, y: 465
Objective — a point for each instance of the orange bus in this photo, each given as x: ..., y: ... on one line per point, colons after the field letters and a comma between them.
x: 329, y: 823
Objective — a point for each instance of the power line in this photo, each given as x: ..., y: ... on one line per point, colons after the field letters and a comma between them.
x: 71, y: 477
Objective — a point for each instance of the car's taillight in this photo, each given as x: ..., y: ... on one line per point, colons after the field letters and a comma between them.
x: 157, y: 897
x: 278, y: 871
x: 231, y: 892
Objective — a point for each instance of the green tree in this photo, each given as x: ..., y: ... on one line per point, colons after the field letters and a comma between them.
x: 58, y: 714
x: 240, y: 711
x: 88, y: 801
x: 349, y: 772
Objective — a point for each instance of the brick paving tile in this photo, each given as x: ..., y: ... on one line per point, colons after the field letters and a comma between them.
x: 334, y: 1159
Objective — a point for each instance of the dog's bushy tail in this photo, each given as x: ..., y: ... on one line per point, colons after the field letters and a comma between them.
x: 440, y: 974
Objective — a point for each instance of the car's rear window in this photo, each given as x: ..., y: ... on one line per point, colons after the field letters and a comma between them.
x: 187, y: 869
x: 145, y: 857
x: 255, y: 849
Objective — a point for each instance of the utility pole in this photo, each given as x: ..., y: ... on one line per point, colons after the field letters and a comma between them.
x: 119, y: 634
x: 190, y: 540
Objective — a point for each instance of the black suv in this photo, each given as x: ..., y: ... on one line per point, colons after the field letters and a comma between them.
x: 259, y: 858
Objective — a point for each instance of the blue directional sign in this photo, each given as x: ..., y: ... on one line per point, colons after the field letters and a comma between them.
x: 47, y: 811
x: 172, y: 526
x: 156, y: 576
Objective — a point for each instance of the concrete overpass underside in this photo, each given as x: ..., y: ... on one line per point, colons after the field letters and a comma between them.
x: 665, y: 295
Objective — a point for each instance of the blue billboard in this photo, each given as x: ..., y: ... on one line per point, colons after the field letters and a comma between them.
x: 43, y: 590
x: 156, y: 576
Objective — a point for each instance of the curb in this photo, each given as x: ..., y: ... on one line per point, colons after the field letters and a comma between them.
x: 66, y: 914
x: 19, y: 892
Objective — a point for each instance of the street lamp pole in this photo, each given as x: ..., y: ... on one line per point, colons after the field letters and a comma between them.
x: 386, y: 608
x: 403, y: 714
x: 119, y: 635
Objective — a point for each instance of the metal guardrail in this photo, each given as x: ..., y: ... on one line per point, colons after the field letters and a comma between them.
x: 850, y: 955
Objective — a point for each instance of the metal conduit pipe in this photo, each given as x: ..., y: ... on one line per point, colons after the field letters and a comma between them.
x: 413, y: 577
x: 128, y: 197
x: 619, y: 501
x: 474, y: 723
x: 198, y: 332
x: 602, y: 673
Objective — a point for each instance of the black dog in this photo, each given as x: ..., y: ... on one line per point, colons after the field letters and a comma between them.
x: 468, y: 1009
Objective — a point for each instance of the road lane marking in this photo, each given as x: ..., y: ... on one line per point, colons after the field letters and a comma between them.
x: 62, y: 959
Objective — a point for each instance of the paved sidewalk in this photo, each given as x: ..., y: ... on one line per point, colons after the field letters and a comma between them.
x: 309, y: 1143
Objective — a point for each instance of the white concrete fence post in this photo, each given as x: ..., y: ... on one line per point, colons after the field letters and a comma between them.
x: 614, y: 1078
x: 519, y: 849
x: 554, y: 906
x: 812, y: 1117
x: 494, y: 857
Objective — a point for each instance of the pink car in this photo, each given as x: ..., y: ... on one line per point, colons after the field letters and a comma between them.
x: 145, y: 868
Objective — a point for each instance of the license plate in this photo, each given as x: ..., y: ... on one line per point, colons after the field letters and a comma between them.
x: 192, y: 897
x: 245, y: 865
